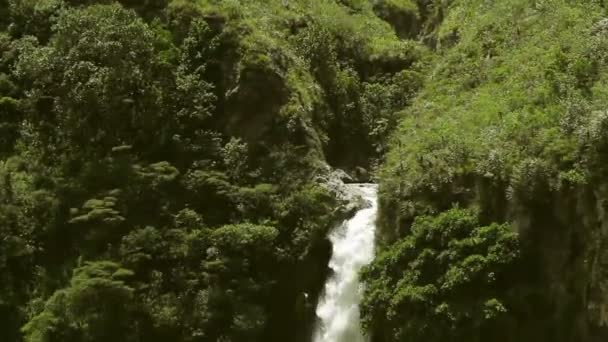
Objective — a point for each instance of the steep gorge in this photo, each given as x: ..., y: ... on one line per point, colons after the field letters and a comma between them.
x: 174, y: 166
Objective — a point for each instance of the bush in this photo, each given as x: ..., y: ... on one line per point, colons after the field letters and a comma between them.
x: 442, y: 282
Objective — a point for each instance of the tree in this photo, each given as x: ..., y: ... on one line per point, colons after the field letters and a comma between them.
x: 96, y: 306
x: 33, y: 17
x: 10, y: 118
x: 444, y: 282
x: 95, y: 80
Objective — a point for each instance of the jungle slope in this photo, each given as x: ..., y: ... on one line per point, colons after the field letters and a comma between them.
x: 494, y: 195
x: 163, y: 163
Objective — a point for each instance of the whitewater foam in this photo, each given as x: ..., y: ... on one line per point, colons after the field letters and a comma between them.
x: 353, y: 248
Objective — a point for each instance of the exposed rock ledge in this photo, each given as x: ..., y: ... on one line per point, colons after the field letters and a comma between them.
x: 335, y: 181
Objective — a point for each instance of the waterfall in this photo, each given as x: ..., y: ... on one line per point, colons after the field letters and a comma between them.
x: 353, y: 248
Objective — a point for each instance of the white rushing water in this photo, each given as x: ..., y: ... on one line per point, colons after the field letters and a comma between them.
x: 353, y: 248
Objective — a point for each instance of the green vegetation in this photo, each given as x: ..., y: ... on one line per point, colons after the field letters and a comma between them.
x: 447, y: 280
x: 160, y: 161
x: 511, y: 122
x: 162, y: 166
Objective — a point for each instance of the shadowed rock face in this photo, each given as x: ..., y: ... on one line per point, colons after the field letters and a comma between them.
x: 254, y: 103
x: 336, y: 181
x: 405, y: 21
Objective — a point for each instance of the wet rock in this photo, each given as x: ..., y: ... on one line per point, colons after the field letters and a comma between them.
x: 344, y: 177
x: 361, y: 175
x: 335, y: 182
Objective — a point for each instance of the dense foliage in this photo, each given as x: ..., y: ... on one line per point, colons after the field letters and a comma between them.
x: 447, y: 280
x: 511, y: 120
x: 164, y: 167
x: 161, y: 161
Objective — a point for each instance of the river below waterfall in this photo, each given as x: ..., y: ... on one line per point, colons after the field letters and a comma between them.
x: 353, y: 248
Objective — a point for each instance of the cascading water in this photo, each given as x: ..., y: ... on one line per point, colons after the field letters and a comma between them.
x: 353, y: 248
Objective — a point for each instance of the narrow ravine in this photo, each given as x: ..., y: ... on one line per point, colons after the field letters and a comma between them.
x: 353, y: 248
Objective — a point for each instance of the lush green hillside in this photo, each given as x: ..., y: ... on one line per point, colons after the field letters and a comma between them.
x: 509, y: 130
x: 165, y: 167
x: 162, y: 162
